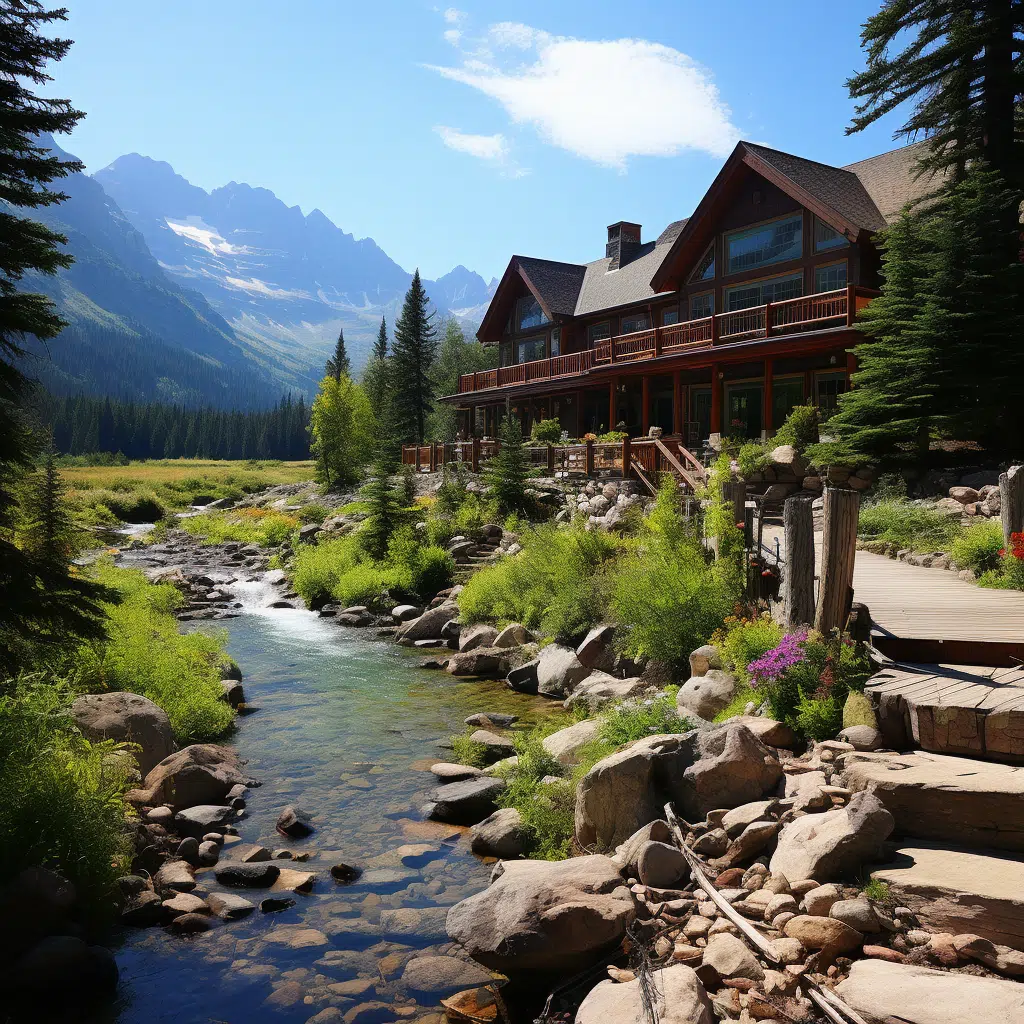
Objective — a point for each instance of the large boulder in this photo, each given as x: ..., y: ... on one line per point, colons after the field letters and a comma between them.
x: 600, y: 688
x: 441, y: 976
x: 825, y: 846
x: 824, y: 933
x: 126, y: 718
x: 200, y: 774
x: 492, y: 662
x: 678, y: 997
x: 565, y: 744
x: 698, y: 770
x: 428, y: 625
x: 595, y: 651
x: 555, y: 917
x: 466, y: 802
x: 513, y: 635
x: 201, y: 819
x: 501, y: 834
x: 559, y: 671
x: 882, y: 992
x: 706, y: 695
x: 480, y: 635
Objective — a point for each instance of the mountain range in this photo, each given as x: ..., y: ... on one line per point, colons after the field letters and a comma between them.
x: 228, y: 297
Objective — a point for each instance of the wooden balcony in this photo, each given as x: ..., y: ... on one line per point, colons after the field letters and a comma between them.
x: 824, y: 311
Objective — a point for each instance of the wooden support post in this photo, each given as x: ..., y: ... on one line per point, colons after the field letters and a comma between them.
x: 417, y: 456
x: 738, y: 494
x: 551, y: 459
x: 590, y: 458
x: 839, y: 548
x: 626, y: 458
x: 678, y: 419
x: 716, y: 401
x: 475, y: 454
x: 645, y: 401
x: 579, y: 413
x: 798, y: 578
x: 613, y: 389
x: 432, y: 458
x: 767, y: 420
x: 767, y: 319
x: 1011, y: 502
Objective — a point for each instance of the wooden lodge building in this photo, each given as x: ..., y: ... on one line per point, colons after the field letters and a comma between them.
x: 722, y: 324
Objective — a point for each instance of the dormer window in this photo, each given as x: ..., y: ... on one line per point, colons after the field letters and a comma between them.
x: 705, y: 269
x: 528, y: 314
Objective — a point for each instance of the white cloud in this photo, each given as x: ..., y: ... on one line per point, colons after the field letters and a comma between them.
x: 493, y: 148
x: 453, y: 35
x: 605, y: 101
x: 453, y: 15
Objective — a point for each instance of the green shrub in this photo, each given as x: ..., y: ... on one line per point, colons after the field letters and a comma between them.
x: 742, y: 641
x: 555, y: 584
x: 244, y: 525
x: 634, y: 719
x: 318, y: 567
x: 60, y: 796
x: 878, y: 891
x: 753, y: 457
x: 419, y: 571
x: 465, y: 751
x: 144, y: 653
x: 314, y: 512
x: 800, y: 428
x: 819, y: 718
x: 907, y: 525
x: 612, y: 437
x: 546, y: 431
x: 978, y: 547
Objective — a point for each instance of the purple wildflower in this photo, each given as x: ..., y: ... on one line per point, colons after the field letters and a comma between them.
x: 774, y: 664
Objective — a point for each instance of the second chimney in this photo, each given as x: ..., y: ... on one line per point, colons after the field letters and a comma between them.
x: 623, y: 243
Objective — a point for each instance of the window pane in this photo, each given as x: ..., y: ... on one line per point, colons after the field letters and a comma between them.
x: 774, y: 289
x: 787, y: 394
x: 556, y: 341
x: 826, y: 237
x: 705, y: 270
x: 702, y: 305
x: 505, y: 355
x: 533, y: 348
x: 770, y: 243
x: 634, y: 323
x: 828, y: 279
x: 829, y: 387
x: 598, y: 332
x: 529, y: 314
x: 669, y: 316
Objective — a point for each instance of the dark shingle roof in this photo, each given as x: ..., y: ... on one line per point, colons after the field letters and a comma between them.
x: 891, y: 179
x: 838, y: 188
x: 605, y: 289
x: 558, y: 284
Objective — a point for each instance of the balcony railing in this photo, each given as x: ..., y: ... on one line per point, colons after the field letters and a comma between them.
x: 808, y: 313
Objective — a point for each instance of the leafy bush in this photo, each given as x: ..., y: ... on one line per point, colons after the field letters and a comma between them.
x: 753, y: 457
x: 800, y: 428
x: 420, y: 571
x: 546, y: 431
x: 743, y: 641
x: 612, y: 437
x: 144, y: 653
x: 979, y: 546
x: 262, y: 526
x: 555, y: 584
x: 907, y: 524
x: 465, y: 751
x: 819, y: 718
x: 1010, y: 573
x: 318, y: 567
x: 314, y: 512
x: 636, y: 718
x: 60, y: 796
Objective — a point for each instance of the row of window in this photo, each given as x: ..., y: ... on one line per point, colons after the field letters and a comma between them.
x: 761, y: 246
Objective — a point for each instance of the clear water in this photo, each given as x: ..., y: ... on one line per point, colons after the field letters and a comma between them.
x: 347, y: 726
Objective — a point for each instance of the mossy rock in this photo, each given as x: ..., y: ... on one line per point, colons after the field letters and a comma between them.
x: 858, y: 711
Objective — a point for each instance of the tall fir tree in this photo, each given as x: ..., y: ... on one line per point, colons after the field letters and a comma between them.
x: 47, y: 528
x: 377, y: 374
x: 37, y: 602
x: 384, y: 502
x: 412, y: 361
x: 338, y: 365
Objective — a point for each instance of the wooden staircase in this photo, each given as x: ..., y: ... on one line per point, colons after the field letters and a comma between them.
x: 649, y: 458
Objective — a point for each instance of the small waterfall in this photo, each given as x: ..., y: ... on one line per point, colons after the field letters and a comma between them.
x: 255, y: 596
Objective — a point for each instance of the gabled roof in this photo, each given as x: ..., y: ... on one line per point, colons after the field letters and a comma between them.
x: 554, y: 285
x: 891, y: 179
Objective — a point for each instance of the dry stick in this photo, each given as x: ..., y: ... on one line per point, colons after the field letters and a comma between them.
x: 828, y: 1002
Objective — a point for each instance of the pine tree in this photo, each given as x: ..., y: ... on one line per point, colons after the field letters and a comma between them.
x: 412, y: 361
x: 506, y: 473
x: 384, y: 501
x: 380, y: 346
x: 376, y: 375
x: 338, y: 365
x: 958, y: 66
x: 37, y: 603
x: 48, y: 532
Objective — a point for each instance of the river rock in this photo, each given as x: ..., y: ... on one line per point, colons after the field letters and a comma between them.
x: 998, y: 958
x: 479, y: 635
x: 62, y: 970
x: 489, y: 662
x: 144, y: 910
x: 818, y: 902
x: 699, y: 770
x: 767, y: 730
x: 857, y: 913
x: 678, y: 998
x: 185, y: 903
x: 228, y: 906
x: 862, y: 737
x: 295, y: 822
x: 126, y: 718
x: 565, y: 744
x: 501, y: 834
x: 545, y: 916
x: 558, y: 671
x: 177, y: 875
x: 465, y: 803
x: 197, y: 821
x: 704, y: 696
x: 600, y: 688
x: 824, y: 933
x: 253, y: 876
x: 232, y: 692
x: 627, y: 854
x: 490, y: 719
x: 661, y: 865
x: 595, y: 652
x: 737, y: 819
x: 513, y: 635
x: 523, y: 679
x: 441, y: 976
x: 704, y: 658
x: 881, y: 992
x: 199, y: 774
x: 428, y: 625
x: 495, y: 747
x: 448, y: 771
x: 731, y: 958
x: 405, y: 612
x: 424, y: 924
x: 824, y: 846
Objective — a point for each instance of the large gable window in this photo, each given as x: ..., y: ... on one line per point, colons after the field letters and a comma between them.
x: 770, y: 243
x: 528, y: 314
x: 772, y: 289
x: 826, y: 237
x: 705, y: 269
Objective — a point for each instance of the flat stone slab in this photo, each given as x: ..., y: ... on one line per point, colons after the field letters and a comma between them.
x: 973, y: 710
x: 959, y: 890
x: 952, y: 799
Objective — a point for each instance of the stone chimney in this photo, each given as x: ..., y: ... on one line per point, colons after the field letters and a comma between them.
x: 623, y: 243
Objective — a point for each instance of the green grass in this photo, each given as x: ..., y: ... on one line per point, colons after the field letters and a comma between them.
x: 878, y: 891
x: 465, y: 751
x: 262, y: 526
x: 144, y: 653
x: 908, y: 525
x: 978, y: 547
x: 745, y: 640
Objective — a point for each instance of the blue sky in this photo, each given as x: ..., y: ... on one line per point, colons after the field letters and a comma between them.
x: 465, y: 134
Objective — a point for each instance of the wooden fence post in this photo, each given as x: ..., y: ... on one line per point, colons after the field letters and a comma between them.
x: 626, y: 457
x: 835, y: 585
x: 551, y: 460
x: 475, y: 454
x: 1011, y: 502
x: 590, y: 458
x: 417, y: 456
x: 798, y: 579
